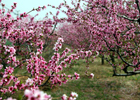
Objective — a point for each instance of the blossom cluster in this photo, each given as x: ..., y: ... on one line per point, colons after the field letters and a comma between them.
x: 35, y: 94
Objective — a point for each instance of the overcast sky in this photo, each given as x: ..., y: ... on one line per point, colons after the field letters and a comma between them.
x: 27, y: 5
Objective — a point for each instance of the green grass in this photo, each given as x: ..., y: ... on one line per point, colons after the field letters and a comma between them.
x: 102, y: 87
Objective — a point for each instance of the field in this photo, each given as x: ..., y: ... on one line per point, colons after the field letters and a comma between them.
x: 102, y: 87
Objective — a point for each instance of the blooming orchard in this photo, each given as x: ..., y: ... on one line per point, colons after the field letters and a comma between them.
x: 112, y: 29
x: 22, y: 42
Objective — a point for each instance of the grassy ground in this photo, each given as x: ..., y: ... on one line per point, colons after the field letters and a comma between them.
x: 102, y: 87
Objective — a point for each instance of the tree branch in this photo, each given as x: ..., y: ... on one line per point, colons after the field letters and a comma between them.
x: 108, y: 45
x: 122, y: 58
x: 134, y: 20
x: 53, y: 28
x: 137, y: 32
x: 137, y: 2
x: 47, y: 80
x: 128, y: 73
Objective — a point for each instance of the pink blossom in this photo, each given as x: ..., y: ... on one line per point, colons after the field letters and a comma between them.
x: 4, y: 90
x: 9, y: 70
x: 14, y: 58
x: 74, y: 95
x: 64, y: 97
x: 29, y: 82
x: 15, y: 3
x: 11, y: 88
x: 69, y: 76
x: 91, y: 75
x: 8, y: 15
x: 57, y: 13
x: 12, y: 50
x: 76, y: 76
x: 60, y: 40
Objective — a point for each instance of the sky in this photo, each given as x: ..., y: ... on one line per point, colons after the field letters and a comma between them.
x: 27, y: 5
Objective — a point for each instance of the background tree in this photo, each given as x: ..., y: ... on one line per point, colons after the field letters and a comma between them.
x: 114, y: 27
